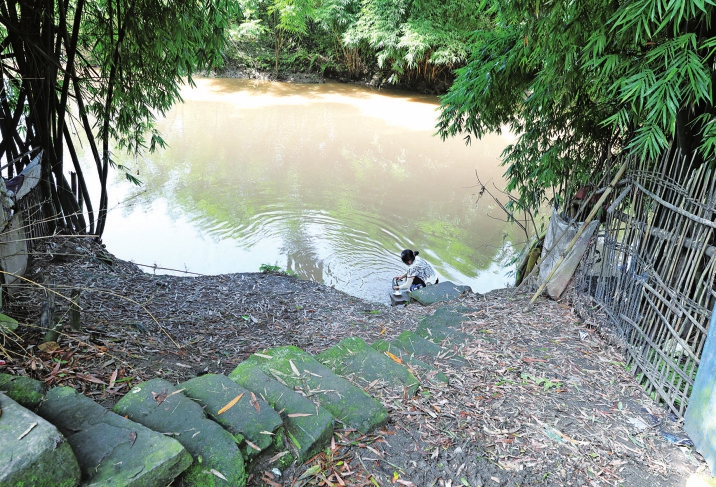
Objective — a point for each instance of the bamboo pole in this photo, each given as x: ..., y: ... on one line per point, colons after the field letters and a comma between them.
x: 590, y: 217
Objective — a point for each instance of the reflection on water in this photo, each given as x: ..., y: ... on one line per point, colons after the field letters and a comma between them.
x: 329, y: 181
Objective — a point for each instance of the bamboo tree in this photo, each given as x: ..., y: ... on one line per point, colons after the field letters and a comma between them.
x: 115, y: 61
x: 580, y: 81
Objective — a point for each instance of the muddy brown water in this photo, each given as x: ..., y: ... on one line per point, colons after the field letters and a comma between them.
x: 330, y: 181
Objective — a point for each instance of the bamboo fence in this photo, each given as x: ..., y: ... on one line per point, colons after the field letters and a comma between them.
x: 649, y: 276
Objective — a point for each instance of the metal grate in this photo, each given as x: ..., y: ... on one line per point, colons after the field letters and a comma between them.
x: 649, y: 276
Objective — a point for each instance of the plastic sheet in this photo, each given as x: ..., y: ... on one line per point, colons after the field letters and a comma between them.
x: 559, y: 234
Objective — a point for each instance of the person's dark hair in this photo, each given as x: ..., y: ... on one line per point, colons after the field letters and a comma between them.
x: 408, y: 255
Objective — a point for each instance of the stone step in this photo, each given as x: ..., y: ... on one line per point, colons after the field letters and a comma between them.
x: 422, y: 370
x: 33, y: 451
x: 427, y: 350
x: 347, y: 403
x: 24, y: 390
x: 160, y: 406
x: 357, y: 361
x: 249, y: 418
x: 308, y: 426
x: 443, y: 326
x: 103, y: 441
x: 442, y: 292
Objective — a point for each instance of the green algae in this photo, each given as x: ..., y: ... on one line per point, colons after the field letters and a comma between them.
x: 23, y: 390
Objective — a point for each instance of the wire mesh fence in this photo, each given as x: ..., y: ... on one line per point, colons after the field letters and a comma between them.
x: 649, y: 276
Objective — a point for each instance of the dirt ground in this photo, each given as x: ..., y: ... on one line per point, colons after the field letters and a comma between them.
x: 544, y: 399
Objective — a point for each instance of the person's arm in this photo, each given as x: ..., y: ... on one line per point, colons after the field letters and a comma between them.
x: 400, y: 278
x: 405, y: 285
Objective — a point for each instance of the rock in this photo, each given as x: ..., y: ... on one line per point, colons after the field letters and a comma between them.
x: 26, y: 391
x: 160, y: 406
x: 33, y: 451
x: 249, y: 418
x: 427, y: 350
x: 308, y: 426
x: 440, y: 292
x: 103, y: 441
x: 422, y: 370
x: 346, y: 402
x: 354, y: 359
x: 443, y: 326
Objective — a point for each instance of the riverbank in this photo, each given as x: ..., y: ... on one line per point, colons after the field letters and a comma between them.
x: 544, y: 400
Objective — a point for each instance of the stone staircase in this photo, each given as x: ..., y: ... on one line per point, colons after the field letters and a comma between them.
x: 278, y: 407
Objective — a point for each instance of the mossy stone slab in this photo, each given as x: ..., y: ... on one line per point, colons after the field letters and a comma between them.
x: 346, y: 402
x: 443, y: 326
x: 308, y: 426
x: 441, y: 292
x: 427, y: 350
x: 33, y: 451
x: 448, y: 316
x: 249, y: 417
x: 354, y: 359
x: 112, y: 450
x: 422, y: 370
x: 24, y: 390
x: 158, y: 405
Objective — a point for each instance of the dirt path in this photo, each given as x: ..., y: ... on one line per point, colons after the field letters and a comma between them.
x: 544, y: 400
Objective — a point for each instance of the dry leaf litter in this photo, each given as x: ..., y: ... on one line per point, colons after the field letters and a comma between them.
x: 543, y: 400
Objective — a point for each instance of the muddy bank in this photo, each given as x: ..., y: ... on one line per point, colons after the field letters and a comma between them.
x: 544, y: 400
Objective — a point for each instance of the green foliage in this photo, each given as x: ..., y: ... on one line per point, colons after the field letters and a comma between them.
x: 142, y: 51
x: 580, y: 81
x: 408, y: 40
x: 275, y: 269
x: 417, y: 35
x: 119, y: 62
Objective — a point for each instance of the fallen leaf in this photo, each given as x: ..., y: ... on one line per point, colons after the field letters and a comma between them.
x: 27, y: 431
x: 159, y: 397
x: 230, y: 404
x: 49, y: 347
x: 310, y: 472
x: 395, y: 359
x: 113, y: 378
x: 277, y: 456
x: 218, y: 474
x: 56, y: 369
x: 268, y: 481
x: 255, y: 403
x: 299, y: 415
x: 91, y: 378
x: 132, y: 438
x: 175, y: 392
x: 262, y: 355
x: 293, y: 367
x: 252, y: 445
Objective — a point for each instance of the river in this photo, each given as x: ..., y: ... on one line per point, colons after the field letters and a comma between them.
x: 329, y: 181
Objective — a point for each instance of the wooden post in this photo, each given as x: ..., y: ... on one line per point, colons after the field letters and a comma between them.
x: 75, y: 310
x: 590, y: 217
x: 47, y: 318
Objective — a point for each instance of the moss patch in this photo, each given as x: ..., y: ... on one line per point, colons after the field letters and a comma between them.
x: 24, y: 390
x: 354, y: 357
x: 343, y: 400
